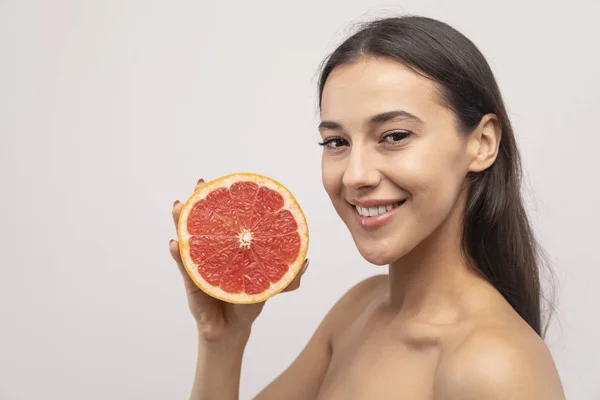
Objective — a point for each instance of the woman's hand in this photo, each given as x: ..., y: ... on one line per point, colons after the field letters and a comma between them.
x: 216, y: 319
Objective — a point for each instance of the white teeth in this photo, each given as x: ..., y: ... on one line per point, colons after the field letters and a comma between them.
x: 373, y: 211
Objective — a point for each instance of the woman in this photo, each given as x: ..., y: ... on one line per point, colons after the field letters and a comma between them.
x: 420, y: 162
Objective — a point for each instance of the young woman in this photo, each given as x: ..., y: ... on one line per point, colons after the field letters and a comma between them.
x: 420, y: 162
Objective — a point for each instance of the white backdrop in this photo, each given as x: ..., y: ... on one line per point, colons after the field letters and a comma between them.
x: 110, y: 110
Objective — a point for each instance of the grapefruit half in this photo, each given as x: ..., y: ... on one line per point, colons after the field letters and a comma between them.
x: 243, y: 238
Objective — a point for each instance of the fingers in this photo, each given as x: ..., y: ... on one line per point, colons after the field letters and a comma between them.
x: 199, y: 183
x: 304, y: 267
x: 295, y: 284
x: 174, y: 249
x: 177, y: 206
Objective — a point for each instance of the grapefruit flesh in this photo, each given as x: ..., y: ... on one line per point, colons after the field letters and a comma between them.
x: 243, y: 238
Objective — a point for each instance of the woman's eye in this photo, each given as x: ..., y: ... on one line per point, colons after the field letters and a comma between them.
x: 334, y: 143
x: 395, y: 137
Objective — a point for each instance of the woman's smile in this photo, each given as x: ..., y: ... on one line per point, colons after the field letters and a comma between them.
x: 373, y: 214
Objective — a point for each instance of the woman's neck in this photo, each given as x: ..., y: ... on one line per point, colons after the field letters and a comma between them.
x: 427, y: 283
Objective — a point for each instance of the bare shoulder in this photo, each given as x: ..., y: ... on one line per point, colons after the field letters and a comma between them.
x: 313, y: 362
x: 506, y: 362
x: 364, y: 289
x: 354, y: 302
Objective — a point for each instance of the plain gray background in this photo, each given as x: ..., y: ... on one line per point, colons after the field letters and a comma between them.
x: 110, y: 110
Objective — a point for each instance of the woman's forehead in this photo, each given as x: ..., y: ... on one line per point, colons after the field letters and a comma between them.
x: 373, y: 85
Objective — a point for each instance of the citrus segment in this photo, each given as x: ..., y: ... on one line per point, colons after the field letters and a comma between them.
x: 282, y: 223
x: 204, y: 247
x: 243, y: 196
x: 243, y: 238
x: 255, y: 280
x: 233, y: 276
x: 267, y: 202
x: 274, y: 268
x: 212, y: 268
x: 285, y: 247
x: 203, y: 221
x: 219, y: 202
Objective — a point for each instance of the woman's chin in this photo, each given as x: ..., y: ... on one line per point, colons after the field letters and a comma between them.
x: 378, y: 256
x: 382, y: 251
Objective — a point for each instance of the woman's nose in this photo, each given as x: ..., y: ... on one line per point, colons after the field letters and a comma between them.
x: 361, y: 171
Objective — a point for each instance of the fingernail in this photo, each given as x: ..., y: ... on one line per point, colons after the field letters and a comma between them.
x: 171, y: 241
x: 306, y: 262
x: 201, y: 180
x: 175, y: 203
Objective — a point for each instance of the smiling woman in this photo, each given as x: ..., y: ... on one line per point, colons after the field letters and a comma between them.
x: 420, y: 162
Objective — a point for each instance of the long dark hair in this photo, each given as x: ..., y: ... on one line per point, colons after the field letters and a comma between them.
x: 497, y: 235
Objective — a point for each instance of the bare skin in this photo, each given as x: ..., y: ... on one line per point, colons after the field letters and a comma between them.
x: 431, y: 328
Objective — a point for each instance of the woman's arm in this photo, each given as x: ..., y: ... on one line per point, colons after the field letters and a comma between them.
x: 219, y: 363
x: 218, y: 368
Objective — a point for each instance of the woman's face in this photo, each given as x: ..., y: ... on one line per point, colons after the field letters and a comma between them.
x: 393, y: 161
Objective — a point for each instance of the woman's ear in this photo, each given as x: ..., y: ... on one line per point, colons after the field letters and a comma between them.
x: 484, y: 143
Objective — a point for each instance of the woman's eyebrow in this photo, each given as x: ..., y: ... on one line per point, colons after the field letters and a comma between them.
x: 377, y: 119
x: 390, y: 115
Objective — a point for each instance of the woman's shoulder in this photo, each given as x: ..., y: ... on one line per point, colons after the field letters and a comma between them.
x: 498, y: 361
x: 354, y: 302
x: 363, y: 293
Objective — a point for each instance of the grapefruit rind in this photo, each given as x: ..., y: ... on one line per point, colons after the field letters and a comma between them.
x: 290, y: 204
